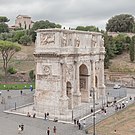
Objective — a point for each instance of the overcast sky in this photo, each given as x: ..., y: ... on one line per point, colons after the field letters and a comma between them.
x: 69, y: 13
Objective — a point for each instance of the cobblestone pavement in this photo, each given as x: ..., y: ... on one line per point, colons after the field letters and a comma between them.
x: 33, y: 126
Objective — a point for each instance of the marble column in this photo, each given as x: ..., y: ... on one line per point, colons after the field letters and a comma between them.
x: 93, y: 77
x: 101, y: 82
x: 63, y: 98
x: 77, y: 93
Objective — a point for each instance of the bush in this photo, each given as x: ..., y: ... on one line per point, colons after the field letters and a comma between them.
x: 12, y: 70
x: 32, y: 75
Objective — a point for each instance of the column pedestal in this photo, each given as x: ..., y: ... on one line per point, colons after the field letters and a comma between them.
x: 102, y: 93
x: 63, y: 105
x: 77, y: 99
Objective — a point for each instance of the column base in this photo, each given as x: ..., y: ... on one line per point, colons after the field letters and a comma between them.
x: 76, y: 99
x: 63, y: 105
x: 102, y: 93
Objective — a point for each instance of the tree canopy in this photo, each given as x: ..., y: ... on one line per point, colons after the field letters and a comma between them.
x: 42, y: 25
x: 45, y: 24
x: 3, y: 19
x: 121, y: 23
x: 87, y: 28
x: 3, y: 25
x: 8, y: 49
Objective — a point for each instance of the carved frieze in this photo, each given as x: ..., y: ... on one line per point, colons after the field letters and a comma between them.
x: 69, y: 71
x: 64, y: 40
x: 47, y: 70
x: 47, y: 38
x: 77, y: 42
x: 93, y: 40
x: 102, y: 42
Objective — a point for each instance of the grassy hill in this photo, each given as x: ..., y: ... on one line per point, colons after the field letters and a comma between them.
x: 121, y: 63
x: 23, y: 62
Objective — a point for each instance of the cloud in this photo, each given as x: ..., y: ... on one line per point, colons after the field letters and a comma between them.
x: 68, y: 12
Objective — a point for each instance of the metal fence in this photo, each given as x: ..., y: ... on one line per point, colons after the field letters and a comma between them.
x: 11, y: 100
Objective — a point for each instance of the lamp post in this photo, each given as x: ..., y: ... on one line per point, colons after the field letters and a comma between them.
x: 94, y: 116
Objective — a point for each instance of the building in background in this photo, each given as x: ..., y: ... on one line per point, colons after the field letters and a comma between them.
x: 23, y: 21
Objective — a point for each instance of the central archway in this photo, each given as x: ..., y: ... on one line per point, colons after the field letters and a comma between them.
x: 83, y: 78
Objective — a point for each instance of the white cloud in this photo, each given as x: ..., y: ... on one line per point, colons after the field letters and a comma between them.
x: 68, y: 12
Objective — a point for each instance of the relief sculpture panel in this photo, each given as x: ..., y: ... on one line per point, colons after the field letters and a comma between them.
x: 47, y: 70
x: 64, y: 40
x: 69, y: 71
x: 77, y: 42
x: 94, y: 41
x: 47, y: 38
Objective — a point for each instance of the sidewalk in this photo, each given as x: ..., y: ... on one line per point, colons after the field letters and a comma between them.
x: 101, y: 116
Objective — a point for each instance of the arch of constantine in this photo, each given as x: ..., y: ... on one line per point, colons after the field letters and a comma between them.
x: 69, y: 64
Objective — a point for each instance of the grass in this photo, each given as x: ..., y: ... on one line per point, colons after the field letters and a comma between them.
x: 15, y: 86
x: 123, y: 122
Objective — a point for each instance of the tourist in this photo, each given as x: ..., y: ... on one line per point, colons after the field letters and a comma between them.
x: 22, y: 127
x: 19, y: 129
x: 34, y: 115
x: 45, y: 116
x: 48, y: 131
x: 21, y: 92
x: 54, y: 130
x: 75, y: 121
x: 115, y: 131
x: 91, y: 110
x: 79, y: 125
x: 28, y: 114
x: 105, y: 111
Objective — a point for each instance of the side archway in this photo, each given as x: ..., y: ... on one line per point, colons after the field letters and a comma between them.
x: 83, y: 79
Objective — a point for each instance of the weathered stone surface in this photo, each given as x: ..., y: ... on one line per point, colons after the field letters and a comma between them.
x: 69, y: 64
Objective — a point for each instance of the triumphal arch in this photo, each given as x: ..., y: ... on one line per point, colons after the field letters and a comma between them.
x: 69, y: 64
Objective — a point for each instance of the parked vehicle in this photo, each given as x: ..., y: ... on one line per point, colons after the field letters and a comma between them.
x: 117, y: 86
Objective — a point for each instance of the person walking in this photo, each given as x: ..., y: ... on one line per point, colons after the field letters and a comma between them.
x: 79, y: 125
x: 48, y: 131
x: 21, y: 92
x: 22, y: 127
x: 54, y: 130
x: 45, y: 116
x: 19, y: 129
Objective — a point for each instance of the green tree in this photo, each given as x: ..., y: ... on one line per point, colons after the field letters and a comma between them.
x: 3, y: 25
x: 120, y: 23
x: 25, y: 40
x: 6, y: 36
x: 132, y: 49
x: 120, y: 41
x: 87, y: 28
x: 109, y: 48
x: 3, y: 19
x: 17, y: 35
x: 42, y: 25
x: 8, y: 49
x: 82, y: 28
x: 32, y: 75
